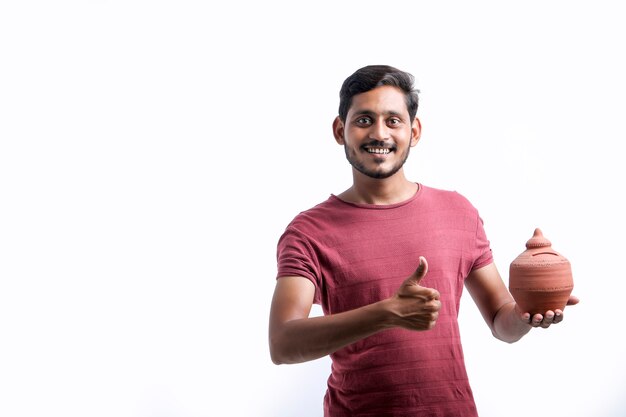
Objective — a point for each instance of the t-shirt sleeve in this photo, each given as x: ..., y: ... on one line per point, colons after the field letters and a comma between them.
x: 483, y: 255
x: 296, y: 257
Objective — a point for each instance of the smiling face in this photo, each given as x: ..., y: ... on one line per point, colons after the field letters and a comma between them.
x: 378, y: 132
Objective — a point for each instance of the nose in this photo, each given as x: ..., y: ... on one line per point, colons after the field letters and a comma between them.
x: 380, y: 130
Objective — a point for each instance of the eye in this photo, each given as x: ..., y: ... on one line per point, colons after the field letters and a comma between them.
x: 364, y: 121
x: 394, y: 121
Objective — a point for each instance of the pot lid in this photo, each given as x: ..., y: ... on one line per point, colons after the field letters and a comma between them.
x: 537, y: 241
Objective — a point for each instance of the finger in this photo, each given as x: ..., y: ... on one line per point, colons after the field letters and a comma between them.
x: 558, y: 316
x: 432, y: 306
x: 433, y: 320
x: 421, y: 270
x: 523, y: 316
x: 428, y: 321
x: 572, y: 301
x: 536, y: 320
x: 548, y: 319
x: 434, y: 294
x: 414, y: 290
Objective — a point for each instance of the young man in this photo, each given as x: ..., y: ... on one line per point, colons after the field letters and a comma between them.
x: 387, y: 259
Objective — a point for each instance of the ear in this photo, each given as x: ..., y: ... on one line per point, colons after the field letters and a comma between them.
x: 416, y: 131
x: 338, y: 130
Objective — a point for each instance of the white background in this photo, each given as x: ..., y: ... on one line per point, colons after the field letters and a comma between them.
x: 151, y: 153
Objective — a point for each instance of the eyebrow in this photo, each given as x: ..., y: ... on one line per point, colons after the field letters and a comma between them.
x: 367, y: 112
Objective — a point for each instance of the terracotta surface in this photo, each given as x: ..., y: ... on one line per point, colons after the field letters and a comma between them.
x: 540, y: 279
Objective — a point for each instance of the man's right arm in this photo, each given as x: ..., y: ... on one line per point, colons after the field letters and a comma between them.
x: 294, y: 337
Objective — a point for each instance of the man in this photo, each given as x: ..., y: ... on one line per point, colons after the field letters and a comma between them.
x: 387, y: 259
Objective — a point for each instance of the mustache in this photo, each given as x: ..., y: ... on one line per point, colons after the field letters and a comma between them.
x: 379, y: 144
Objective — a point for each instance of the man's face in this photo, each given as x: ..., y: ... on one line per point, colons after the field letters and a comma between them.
x: 378, y: 133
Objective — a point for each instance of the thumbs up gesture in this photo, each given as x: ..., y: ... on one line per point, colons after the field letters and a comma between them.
x: 416, y: 307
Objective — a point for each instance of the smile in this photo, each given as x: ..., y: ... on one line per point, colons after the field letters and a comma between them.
x: 381, y: 151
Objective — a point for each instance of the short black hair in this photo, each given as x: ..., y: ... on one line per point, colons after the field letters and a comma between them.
x: 372, y: 76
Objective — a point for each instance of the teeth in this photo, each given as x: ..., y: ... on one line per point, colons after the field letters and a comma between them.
x: 379, y: 150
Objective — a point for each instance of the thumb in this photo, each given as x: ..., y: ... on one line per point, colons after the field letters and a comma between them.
x: 420, y: 272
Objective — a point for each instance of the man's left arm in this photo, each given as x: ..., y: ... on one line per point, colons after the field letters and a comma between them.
x: 499, y: 309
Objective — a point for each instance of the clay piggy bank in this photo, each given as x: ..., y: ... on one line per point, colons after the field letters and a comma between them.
x: 540, y: 279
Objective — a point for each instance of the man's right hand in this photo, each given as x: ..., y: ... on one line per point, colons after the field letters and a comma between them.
x: 416, y: 307
x: 295, y: 337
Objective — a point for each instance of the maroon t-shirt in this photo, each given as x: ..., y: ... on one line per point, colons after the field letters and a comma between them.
x: 357, y: 254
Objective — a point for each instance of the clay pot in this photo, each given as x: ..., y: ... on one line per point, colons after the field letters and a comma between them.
x: 540, y: 279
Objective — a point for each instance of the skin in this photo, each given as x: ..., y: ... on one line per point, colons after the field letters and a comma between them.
x: 379, y: 119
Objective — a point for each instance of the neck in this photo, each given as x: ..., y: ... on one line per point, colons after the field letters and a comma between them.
x: 392, y: 190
